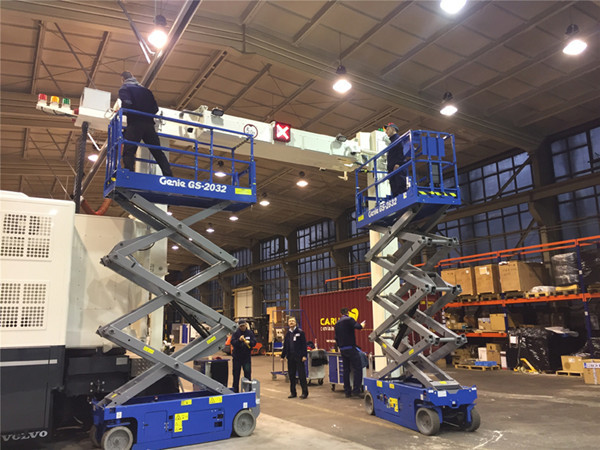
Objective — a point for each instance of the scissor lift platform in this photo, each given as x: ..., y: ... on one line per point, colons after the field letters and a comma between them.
x: 411, y: 390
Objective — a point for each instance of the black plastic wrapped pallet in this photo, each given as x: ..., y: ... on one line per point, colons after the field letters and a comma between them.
x: 566, y: 270
x: 595, y: 347
x: 542, y: 348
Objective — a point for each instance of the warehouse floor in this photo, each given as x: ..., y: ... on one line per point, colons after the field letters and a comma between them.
x: 517, y: 411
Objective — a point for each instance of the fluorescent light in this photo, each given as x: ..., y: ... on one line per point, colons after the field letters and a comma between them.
x: 575, y: 47
x: 264, y: 202
x: 93, y: 157
x: 210, y: 229
x: 302, y: 183
x: 452, y: 6
x: 169, y: 213
x: 448, y: 110
x: 233, y: 218
x: 158, y: 38
x: 220, y: 174
x: 175, y: 247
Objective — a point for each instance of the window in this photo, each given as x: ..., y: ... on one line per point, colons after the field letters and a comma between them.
x: 576, y: 155
x: 313, y: 271
x: 316, y: 235
x: 273, y: 249
x: 579, y: 213
x: 244, y: 257
x: 274, y: 283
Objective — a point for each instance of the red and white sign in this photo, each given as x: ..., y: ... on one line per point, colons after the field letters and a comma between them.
x: 251, y: 130
x: 282, y: 132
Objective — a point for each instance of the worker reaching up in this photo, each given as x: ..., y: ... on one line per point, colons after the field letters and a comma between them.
x: 242, y: 342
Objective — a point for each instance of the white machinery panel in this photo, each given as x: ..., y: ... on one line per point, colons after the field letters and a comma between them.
x: 35, y: 263
x: 99, y: 295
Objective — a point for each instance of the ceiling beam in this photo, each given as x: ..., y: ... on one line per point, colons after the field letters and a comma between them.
x: 288, y: 100
x: 248, y: 86
x: 325, y: 112
x: 39, y: 48
x: 203, y: 75
x: 98, y: 57
x: 83, y: 69
x: 250, y: 12
x: 566, y: 105
x: 497, y: 43
x: 313, y: 22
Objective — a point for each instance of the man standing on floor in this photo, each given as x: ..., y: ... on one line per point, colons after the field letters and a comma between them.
x: 294, y: 347
x: 242, y: 343
x: 140, y: 128
x: 346, y: 342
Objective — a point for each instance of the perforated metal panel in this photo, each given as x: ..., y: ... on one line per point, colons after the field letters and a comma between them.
x: 26, y: 236
x: 23, y: 305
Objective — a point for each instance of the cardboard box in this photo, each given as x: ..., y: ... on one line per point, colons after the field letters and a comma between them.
x: 487, y: 279
x: 498, y: 324
x: 493, y: 355
x: 572, y: 363
x: 484, y: 323
x: 520, y: 276
x: 448, y: 275
x: 465, y: 278
x: 493, y: 348
x: 591, y: 371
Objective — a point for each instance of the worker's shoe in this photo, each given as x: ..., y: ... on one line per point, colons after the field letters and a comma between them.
x: 303, y: 396
x: 292, y: 396
x: 348, y: 395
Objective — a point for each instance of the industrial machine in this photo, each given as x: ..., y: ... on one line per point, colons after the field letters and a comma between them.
x: 411, y: 390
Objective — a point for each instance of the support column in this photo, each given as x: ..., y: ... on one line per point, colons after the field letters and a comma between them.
x: 291, y: 270
x: 341, y: 257
x: 225, y: 283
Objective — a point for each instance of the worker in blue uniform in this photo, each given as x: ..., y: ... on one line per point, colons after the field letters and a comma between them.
x: 395, y: 159
x: 140, y: 128
x: 346, y: 342
x: 294, y: 348
x: 242, y: 342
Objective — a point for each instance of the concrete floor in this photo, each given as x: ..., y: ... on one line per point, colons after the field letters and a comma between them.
x: 517, y: 411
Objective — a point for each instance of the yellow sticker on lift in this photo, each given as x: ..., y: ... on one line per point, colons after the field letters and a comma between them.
x: 391, y: 385
x: 243, y: 191
x: 443, y: 382
x: 179, y: 418
x: 383, y: 345
x: 213, y: 400
x: 379, y: 384
x: 411, y: 351
x: 211, y: 340
x: 393, y: 403
x: 361, y: 217
x: 148, y: 349
x: 186, y: 402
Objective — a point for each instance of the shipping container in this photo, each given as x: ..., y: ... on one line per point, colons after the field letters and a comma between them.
x: 323, y: 311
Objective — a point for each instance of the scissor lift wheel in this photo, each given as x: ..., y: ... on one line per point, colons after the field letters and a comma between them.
x: 244, y: 423
x: 369, y: 405
x: 117, y: 438
x: 428, y: 421
x: 475, y: 421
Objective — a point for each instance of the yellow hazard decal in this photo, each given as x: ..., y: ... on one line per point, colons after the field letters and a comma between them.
x: 391, y: 385
x: 361, y: 217
x: 393, y: 403
x: 379, y: 384
x: 243, y: 191
x: 411, y: 351
x: 148, y: 349
x: 213, y: 400
x: 186, y: 402
x: 383, y: 345
x: 179, y: 419
x: 211, y: 340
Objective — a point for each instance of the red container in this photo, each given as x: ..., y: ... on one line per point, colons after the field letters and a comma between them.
x: 323, y: 311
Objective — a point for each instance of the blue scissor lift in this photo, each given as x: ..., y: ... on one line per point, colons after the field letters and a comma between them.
x: 411, y: 390
x: 122, y: 420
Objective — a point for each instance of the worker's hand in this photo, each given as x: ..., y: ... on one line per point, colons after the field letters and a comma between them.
x: 242, y: 338
x: 303, y: 358
x: 362, y: 324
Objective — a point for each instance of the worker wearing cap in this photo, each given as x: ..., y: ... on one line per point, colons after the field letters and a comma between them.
x: 395, y: 159
x: 136, y: 97
x: 242, y: 342
x: 346, y: 342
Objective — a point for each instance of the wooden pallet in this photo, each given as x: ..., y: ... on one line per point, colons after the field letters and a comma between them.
x: 489, y: 296
x: 515, y: 294
x: 566, y: 373
x: 467, y: 298
x: 594, y: 288
x: 473, y: 367
x: 539, y: 294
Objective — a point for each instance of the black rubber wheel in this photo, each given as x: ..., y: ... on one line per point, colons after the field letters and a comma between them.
x: 369, y: 404
x: 117, y: 438
x: 320, y: 381
x: 475, y: 421
x: 428, y: 421
x: 244, y: 423
x: 94, y: 436
x: 333, y: 387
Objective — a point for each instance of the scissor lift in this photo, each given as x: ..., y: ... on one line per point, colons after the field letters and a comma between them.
x: 411, y: 390
x: 122, y: 420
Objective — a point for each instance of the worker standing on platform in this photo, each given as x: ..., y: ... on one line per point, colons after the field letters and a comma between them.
x: 242, y: 342
x: 140, y: 128
x: 294, y: 347
x: 395, y: 159
x: 346, y: 342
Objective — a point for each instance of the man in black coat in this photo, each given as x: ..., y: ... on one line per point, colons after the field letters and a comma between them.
x: 242, y: 342
x: 395, y: 159
x: 346, y: 342
x: 140, y: 128
x: 294, y: 348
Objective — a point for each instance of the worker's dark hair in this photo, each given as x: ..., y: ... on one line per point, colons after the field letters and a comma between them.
x: 344, y: 311
x: 126, y: 74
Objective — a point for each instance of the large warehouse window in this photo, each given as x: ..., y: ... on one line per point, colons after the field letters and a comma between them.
x: 316, y: 235
x: 244, y: 257
x: 579, y: 213
x: 273, y: 249
x: 313, y: 271
x: 498, y: 179
x: 215, y: 299
x: 576, y: 155
x: 274, y: 285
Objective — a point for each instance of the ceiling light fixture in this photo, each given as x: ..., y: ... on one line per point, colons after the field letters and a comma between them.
x: 217, y: 112
x: 93, y: 157
x: 341, y: 138
x: 233, y: 217
x: 210, y: 228
x: 448, y: 106
x: 219, y: 173
x: 302, y: 181
x: 158, y: 36
x: 264, y: 201
x: 175, y: 247
x: 341, y: 85
x: 452, y: 6
x: 574, y: 46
